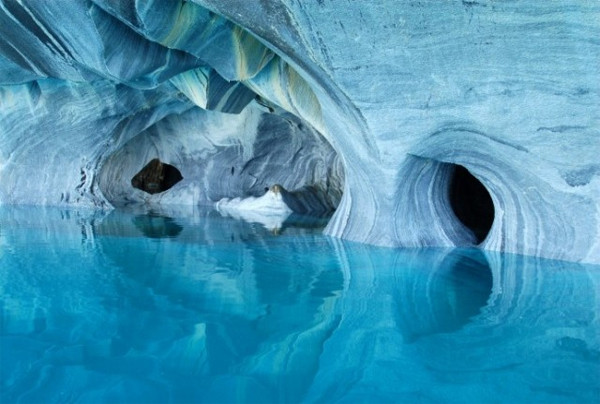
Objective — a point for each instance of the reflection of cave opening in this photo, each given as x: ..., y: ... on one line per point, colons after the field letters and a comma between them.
x: 156, y: 177
x: 470, y: 281
x: 156, y: 226
x: 471, y: 203
x: 450, y: 298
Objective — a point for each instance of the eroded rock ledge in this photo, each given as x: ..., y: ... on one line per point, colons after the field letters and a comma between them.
x: 381, y: 103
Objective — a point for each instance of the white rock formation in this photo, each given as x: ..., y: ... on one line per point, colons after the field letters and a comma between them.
x: 270, y: 210
x: 380, y: 100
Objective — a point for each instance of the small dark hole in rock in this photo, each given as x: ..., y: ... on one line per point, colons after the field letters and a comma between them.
x: 471, y: 203
x: 156, y: 177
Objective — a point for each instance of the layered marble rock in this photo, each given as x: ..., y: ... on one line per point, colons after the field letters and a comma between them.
x: 383, y: 101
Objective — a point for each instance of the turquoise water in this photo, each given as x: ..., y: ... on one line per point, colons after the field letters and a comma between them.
x: 193, y: 307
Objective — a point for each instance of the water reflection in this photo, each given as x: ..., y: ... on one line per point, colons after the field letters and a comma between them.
x: 206, y: 226
x: 121, y: 306
x: 157, y: 226
x: 456, y: 290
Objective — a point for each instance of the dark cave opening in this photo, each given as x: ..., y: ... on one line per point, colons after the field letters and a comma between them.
x: 471, y: 202
x: 156, y: 177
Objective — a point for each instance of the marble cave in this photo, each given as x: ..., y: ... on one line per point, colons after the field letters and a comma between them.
x: 413, y: 124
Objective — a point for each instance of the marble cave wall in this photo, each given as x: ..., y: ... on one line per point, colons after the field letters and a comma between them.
x: 374, y: 108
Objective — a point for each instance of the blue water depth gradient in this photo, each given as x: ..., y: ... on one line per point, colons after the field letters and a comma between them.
x: 144, y: 307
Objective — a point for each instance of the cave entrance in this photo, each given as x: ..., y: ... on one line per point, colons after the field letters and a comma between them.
x: 471, y: 202
x: 156, y: 177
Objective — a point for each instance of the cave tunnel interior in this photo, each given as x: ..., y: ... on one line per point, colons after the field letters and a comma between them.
x: 471, y: 202
x: 156, y: 177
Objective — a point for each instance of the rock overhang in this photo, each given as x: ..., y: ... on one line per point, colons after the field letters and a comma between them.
x: 510, y: 92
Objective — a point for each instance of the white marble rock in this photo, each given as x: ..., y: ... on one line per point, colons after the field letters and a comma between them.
x: 378, y: 100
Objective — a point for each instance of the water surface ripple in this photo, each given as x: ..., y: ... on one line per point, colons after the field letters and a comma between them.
x: 141, y: 307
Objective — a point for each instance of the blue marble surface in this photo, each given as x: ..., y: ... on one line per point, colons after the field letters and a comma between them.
x: 375, y: 99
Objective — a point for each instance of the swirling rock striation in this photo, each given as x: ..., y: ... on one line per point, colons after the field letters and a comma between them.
x: 380, y: 101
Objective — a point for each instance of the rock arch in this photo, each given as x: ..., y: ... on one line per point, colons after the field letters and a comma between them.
x: 526, y: 208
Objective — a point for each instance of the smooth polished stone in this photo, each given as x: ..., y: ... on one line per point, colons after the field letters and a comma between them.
x: 382, y: 103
